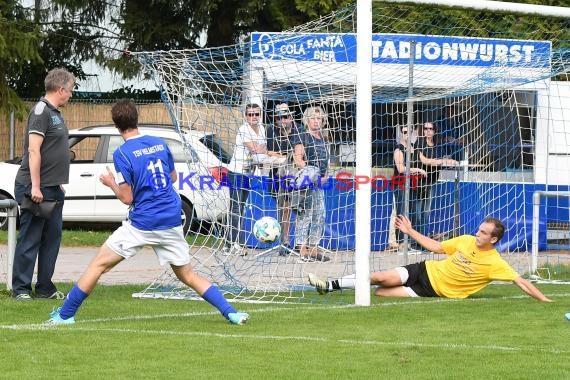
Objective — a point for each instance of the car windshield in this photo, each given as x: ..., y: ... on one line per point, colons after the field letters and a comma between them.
x: 215, y: 145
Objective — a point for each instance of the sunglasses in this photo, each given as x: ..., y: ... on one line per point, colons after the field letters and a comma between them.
x: 253, y: 114
x: 284, y: 117
x: 405, y: 132
x: 428, y: 129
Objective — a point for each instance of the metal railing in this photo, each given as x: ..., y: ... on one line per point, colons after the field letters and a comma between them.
x: 11, y: 208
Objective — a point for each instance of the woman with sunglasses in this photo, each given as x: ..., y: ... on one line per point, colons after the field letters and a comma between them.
x: 428, y: 146
x: 400, y: 163
x: 251, y: 141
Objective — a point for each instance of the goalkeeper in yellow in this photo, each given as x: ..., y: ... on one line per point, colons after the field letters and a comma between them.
x: 472, y: 263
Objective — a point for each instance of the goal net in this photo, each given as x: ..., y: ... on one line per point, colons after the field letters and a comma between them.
x: 490, y: 88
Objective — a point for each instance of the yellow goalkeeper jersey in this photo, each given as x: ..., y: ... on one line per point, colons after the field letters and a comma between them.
x: 466, y: 270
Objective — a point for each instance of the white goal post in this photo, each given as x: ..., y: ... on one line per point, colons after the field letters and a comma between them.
x: 363, y: 125
x: 364, y: 148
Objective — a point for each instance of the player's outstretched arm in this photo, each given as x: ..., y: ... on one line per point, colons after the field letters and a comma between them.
x: 123, y: 191
x: 404, y: 225
x: 531, y: 290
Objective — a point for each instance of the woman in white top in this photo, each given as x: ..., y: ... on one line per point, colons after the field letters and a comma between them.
x: 251, y: 146
x: 251, y: 141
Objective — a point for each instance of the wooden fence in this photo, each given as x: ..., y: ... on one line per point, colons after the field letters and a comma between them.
x: 221, y: 120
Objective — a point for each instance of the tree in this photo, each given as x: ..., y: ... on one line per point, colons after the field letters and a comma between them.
x: 19, y: 40
x: 74, y: 31
x: 166, y: 25
x: 231, y: 20
x: 71, y: 34
x: 438, y: 20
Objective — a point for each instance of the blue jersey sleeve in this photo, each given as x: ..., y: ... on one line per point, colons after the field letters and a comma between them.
x: 170, y: 159
x: 123, y: 167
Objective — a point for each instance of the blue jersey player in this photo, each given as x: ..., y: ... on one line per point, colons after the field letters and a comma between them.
x: 145, y: 173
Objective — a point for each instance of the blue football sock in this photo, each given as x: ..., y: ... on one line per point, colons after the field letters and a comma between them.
x: 72, y: 302
x: 217, y: 299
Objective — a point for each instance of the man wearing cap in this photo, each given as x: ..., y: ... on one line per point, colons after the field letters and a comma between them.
x: 279, y: 140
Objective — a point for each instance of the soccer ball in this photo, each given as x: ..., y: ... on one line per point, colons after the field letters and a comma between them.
x: 267, y: 229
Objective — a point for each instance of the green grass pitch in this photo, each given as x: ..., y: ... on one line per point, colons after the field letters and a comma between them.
x: 499, y: 334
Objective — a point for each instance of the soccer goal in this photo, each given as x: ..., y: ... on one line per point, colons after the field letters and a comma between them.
x: 491, y: 86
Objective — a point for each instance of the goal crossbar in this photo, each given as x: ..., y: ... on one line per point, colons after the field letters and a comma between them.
x: 496, y: 6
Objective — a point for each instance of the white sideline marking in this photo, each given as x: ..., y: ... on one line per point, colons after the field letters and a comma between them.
x: 352, y: 342
x: 448, y: 346
x: 40, y: 326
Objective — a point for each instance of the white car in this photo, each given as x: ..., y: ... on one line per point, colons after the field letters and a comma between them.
x: 87, y: 200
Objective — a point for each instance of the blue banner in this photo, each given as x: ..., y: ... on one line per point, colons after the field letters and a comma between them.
x: 395, y: 49
x: 339, y: 230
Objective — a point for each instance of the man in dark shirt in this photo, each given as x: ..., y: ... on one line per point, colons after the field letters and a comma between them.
x: 279, y: 137
x: 44, y: 169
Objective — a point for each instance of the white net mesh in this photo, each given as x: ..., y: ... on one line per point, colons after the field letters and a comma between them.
x: 497, y: 106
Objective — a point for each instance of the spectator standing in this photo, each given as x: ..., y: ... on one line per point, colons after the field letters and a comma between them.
x: 279, y: 136
x: 250, y: 148
x: 312, y: 158
x: 400, y: 163
x: 428, y: 148
x: 44, y: 169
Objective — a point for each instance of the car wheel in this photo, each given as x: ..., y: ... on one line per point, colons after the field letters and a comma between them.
x: 188, y: 216
x: 4, y: 214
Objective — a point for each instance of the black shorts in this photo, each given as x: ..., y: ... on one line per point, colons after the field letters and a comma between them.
x: 418, y: 280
